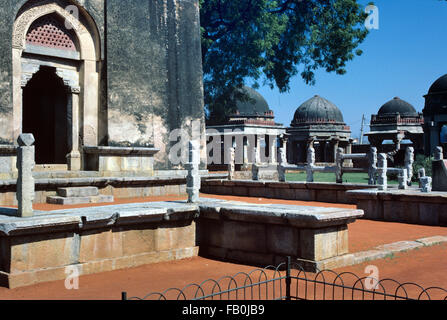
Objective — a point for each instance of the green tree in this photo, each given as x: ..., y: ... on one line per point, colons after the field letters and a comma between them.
x: 272, y: 41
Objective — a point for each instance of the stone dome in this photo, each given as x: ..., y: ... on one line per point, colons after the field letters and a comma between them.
x: 254, y: 105
x: 317, y: 109
x: 439, y: 85
x: 397, y: 106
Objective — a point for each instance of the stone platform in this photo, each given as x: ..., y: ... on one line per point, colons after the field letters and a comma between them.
x: 99, y: 239
x: 405, y: 206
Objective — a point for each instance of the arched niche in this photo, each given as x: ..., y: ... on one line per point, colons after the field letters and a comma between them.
x: 78, y: 67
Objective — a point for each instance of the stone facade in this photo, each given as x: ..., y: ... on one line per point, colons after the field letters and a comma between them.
x: 129, y: 74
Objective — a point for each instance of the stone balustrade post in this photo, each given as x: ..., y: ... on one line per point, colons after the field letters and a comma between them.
x: 231, y: 164
x: 426, y: 184
x: 193, y: 178
x: 439, y: 154
x: 281, y: 165
x: 402, y: 178
x: 339, y: 165
x: 421, y: 174
x: 382, y: 172
x: 372, y: 166
x: 409, y: 160
x: 310, y: 164
x: 25, y: 180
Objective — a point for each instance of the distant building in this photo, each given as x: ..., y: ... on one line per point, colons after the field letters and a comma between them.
x: 396, y: 121
x: 252, y: 125
x: 435, y: 115
x: 320, y: 123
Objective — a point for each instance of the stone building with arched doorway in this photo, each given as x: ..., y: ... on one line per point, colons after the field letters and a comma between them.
x: 100, y: 84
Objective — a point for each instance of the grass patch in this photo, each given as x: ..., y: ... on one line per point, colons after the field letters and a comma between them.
x: 330, y: 177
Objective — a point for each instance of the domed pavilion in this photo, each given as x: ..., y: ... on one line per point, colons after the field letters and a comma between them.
x: 435, y: 114
x: 252, y: 125
x: 397, y: 120
x: 317, y: 122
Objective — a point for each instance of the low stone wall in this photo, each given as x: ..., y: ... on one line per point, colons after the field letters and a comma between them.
x: 38, y: 249
x: 119, y: 187
x: 303, y: 191
x: 98, y: 239
x: 405, y: 206
x: 265, y: 235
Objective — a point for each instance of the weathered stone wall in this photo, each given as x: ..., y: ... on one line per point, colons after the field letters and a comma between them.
x: 404, y: 206
x: 154, y: 72
x: 150, y: 70
x: 303, y: 191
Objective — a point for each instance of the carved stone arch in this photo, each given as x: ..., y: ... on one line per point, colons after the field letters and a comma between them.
x: 88, y: 46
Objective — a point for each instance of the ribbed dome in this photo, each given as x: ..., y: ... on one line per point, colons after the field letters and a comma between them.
x: 317, y: 109
x: 439, y: 85
x: 397, y: 105
x: 256, y: 104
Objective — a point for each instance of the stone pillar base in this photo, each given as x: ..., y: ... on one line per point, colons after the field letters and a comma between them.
x: 74, y: 161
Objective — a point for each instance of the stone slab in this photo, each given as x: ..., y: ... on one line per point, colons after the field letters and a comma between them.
x: 79, y: 200
x: 78, y: 192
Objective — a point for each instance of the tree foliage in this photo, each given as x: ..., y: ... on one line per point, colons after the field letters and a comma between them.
x: 272, y: 41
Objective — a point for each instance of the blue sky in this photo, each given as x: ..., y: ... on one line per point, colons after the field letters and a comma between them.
x: 403, y: 58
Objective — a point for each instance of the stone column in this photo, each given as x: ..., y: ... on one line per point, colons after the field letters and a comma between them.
x: 372, y: 166
x: 193, y: 177
x: 310, y: 164
x: 402, y: 178
x: 25, y: 180
x: 421, y: 174
x: 231, y: 165
x: 438, y: 154
x: 426, y: 184
x: 382, y: 170
x: 339, y: 165
x: 281, y: 165
x: 74, y: 157
x: 409, y: 160
x: 273, y: 148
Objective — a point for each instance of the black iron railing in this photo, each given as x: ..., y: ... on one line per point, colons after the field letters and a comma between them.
x: 289, y: 281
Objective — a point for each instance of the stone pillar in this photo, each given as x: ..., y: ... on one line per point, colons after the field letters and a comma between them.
x: 310, y: 164
x: 409, y: 160
x: 382, y: 170
x: 426, y: 184
x: 74, y: 157
x: 372, y: 166
x: 421, y: 174
x: 25, y: 180
x: 402, y: 178
x: 193, y: 177
x: 339, y: 165
x: 231, y: 165
x: 438, y: 154
x: 281, y: 165
x: 273, y: 148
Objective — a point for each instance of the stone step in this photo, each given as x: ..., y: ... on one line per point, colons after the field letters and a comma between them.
x: 78, y: 192
x: 79, y: 200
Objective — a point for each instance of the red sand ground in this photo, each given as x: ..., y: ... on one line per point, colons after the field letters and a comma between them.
x: 425, y: 266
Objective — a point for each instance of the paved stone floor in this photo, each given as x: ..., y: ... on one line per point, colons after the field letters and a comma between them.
x: 423, y: 265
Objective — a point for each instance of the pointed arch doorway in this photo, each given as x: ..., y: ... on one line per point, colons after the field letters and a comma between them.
x: 45, y: 115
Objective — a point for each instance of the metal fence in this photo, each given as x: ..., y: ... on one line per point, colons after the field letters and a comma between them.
x: 289, y: 281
